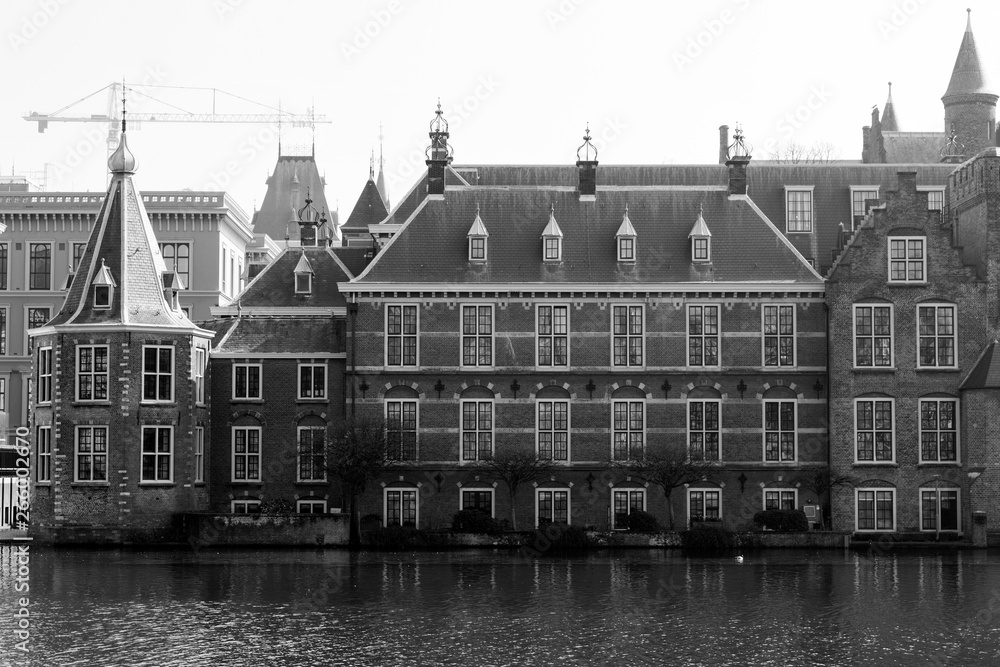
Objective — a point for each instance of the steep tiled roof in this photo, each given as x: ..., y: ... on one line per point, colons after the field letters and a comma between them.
x: 968, y: 77
x: 913, y: 147
x: 290, y: 335
x: 889, y: 114
x: 369, y: 210
x: 354, y: 259
x: 431, y: 247
x: 986, y: 373
x: 294, y: 177
x: 274, y: 287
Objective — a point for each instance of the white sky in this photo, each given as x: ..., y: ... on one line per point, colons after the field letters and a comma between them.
x: 525, y: 74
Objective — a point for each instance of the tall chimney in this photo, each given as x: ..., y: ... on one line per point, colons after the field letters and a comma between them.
x: 738, y: 157
x: 586, y: 167
x: 723, y: 143
x: 438, y: 153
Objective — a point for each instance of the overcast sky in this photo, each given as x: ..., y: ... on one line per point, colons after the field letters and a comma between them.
x: 518, y: 79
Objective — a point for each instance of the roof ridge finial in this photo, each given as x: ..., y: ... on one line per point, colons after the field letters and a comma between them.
x: 889, y: 101
x: 123, y: 104
x: 586, y: 147
x: 968, y: 20
x: 371, y: 166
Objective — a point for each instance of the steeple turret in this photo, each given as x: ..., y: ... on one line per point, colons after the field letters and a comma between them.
x: 970, y: 103
x: 439, y: 153
x: 889, y: 114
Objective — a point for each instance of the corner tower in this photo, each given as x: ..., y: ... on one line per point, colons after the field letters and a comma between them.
x: 969, y: 103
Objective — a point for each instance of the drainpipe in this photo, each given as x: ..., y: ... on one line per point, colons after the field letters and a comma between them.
x: 352, y: 312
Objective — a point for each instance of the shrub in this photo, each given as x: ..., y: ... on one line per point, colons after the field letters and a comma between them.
x: 708, y: 537
x: 642, y: 522
x: 371, y: 522
x: 782, y: 521
x: 276, y: 506
x: 474, y: 521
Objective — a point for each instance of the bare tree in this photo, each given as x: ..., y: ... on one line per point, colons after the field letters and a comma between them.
x: 515, y: 468
x: 795, y: 153
x: 822, y: 482
x: 669, y: 469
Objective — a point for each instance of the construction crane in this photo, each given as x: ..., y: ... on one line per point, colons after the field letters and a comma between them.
x: 113, y: 116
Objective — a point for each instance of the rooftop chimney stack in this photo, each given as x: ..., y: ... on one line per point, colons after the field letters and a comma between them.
x: 737, y: 159
x: 723, y: 143
x: 586, y: 166
x: 439, y: 153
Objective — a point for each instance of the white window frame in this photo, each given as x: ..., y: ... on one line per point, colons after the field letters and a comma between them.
x: 552, y: 431
x: 27, y: 317
x: 477, y: 431
x: 44, y: 393
x: 875, y: 500
x: 4, y: 322
x: 391, y: 424
x: 554, y: 337
x: 628, y: 336
x: 312, y: 503
x: 546, y: 247
x: 628, y: 491
x: 171, y: 263
x: 28, y: 243
x: 157, y: 455
x: 855, y: 214
x: 92, y: 454
x: 873, y: 336
x: 781, y: 491
x: 703, y: 490
x: 554, y: 490
x: 937, y: 509
x: 626, y: 248
x: 794, y: 430
x: 303, y: 287
x: 199, y: 454
x: 158, y: 373
x: 628, y: 430
x: 809, y: 225
x: 696, y: 251
x: 906, y: 260
x: 244, y: 505
x: 875, y: 460
x: 93, y: 374
x: 199, y: 362
x: 938, y: 431
x: 937, y: 337
x: 477, y: 337
x: 400, y: 490
x: 310, y: 368
x: 43, y: 455
x: 703, y: 337
x: 246, y: 367
x: 299, y: 454
x: 247, y: 455
x: 778, y: 337
x: 703, y: 402
x: 929, y: 190
x: 478, y: 489
x: 477, y: 252
x: 402, y: 336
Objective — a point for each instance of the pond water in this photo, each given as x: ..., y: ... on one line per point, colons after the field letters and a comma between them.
x: 485, y: 607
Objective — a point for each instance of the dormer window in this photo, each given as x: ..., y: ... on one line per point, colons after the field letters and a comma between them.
x: 303, y: 276
x: 104, y: 286
x: 701, y: 239
x: 626, y: 238
x: 552, y: 239
x: 477, y: 239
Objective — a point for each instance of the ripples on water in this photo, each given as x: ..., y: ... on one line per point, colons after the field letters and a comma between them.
x: 496, y: 608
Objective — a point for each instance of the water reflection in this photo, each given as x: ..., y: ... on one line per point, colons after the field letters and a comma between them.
x: 497, y: 608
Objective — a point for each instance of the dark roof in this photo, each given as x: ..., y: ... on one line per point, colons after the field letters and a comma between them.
x: 291, y: 335
x: 986, y: 373
x: 274, y: 287
x: 888, y: 121
x: 913, y: 147
x: 354, y: 259
x: 369, y: 210
x: 294, y: 177
x: 432, y: 247
x: 968, y: 78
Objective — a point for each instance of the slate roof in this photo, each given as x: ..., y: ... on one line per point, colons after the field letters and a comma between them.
x: 274, y: 287
x: 968, y: 78
x: 432, y: 246
x: 369, y: 210
x: 913, y: 147
x: 888, y: 121
x: 354, y: 259
x: 285, y: 196
x: 289, y: 335
x: 986, y: 373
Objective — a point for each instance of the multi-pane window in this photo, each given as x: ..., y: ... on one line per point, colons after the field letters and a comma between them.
x: 401, y: 507
x: 401, y: 429
x: 199, y: 453
x: 553, y: 248
x: 703, y: 430
x: 157, y: 373
x: 779, y: 431
x: 199, y: 360
x: 780, y: 499
x: 627, y: 335
x: 553, y: 506
x: 477, y: 248
x: 553, y: 430
x: 477, y: 335
x: 624, y: 502
x: 553, y: 335
x: 246, y: 454
x: 703, y: 335
x: 873, y: 336
x: 626, y: 248
x: 704, y: 504
x: 3, y: 266
x: 939, y: 509
x: 798, y: 210
x: 858, y: 198
x: 157, y: 453
x: 480, y: 500
x: 3, y: 330
x: 312, y: 464
x: 876, y: 509
x: 700, y: 249
x: 37, y: 317
x: 628, y: 430
x: 938, y: 430
x: 44, y: 375
x: 246, y: 507
x: 874, y: 429
x: 92, y: 373
x: 78, y: 250
x: 312, y: 381
x: 43, y: 452
x: 246, y: 381
x: 91, y: 454
x: 177, y: 257
x: 39, y: 266
x: 779, y: 335
x: 401, y: 336
x: 935, y: 200
x: 907, y: 259
x: 936, y: 334
x: 310, y: 506
x: 477, y: 430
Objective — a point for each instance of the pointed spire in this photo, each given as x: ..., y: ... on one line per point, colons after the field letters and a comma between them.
x: 122, y: 161
x: 889, y: 114
x: 968, y: 78
x: 380, y: 183
x: 552, y: 229
x: 478, y: 228
x: 700, y: 226
x: 371, y: 166
x: 626, y: 228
